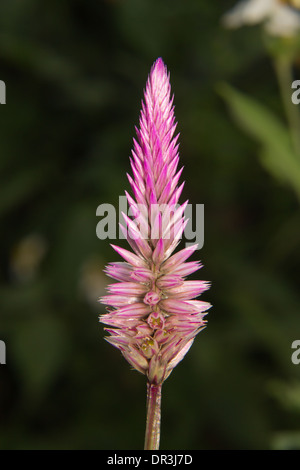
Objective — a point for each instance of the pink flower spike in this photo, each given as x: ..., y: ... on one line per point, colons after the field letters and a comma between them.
x: 150, y: 278
x: 152, y: 316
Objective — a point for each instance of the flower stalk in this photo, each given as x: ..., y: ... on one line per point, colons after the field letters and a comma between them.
x: 152, y: 435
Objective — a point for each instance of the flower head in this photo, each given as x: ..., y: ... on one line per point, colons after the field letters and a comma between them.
x: 152, y: 315
x: 280, y: 18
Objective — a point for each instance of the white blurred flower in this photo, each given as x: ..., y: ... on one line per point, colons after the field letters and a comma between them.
x: 279, y: 18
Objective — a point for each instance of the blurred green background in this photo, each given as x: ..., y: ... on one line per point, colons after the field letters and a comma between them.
x: 74, y: 74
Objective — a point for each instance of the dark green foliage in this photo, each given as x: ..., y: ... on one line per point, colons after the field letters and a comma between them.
x: 74, y: 73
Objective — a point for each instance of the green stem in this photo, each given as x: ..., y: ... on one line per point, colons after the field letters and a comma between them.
x: 283, y: 68
x: 153, y: 417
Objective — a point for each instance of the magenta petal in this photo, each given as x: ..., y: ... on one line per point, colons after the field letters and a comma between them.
x: 158, y: 253
x: 168, y: 281
x: 127, y: 288
x: 119, y: 270
x: 141, y: 275
x: 119, y: 322
x: 134, y: 233
x: 119, y: 300
x: 130, y: 257
x: 179, y: 257
x: 188, y: 289
x: 178, y: 307
x: 185, y: 269
x: 179, y: 356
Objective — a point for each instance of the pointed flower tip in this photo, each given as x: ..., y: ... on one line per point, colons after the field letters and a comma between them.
x: 159, y: 64
x: 159, y: 68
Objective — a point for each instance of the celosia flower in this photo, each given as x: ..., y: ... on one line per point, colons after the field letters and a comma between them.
x: 279, y: 18
x: 152, y: 315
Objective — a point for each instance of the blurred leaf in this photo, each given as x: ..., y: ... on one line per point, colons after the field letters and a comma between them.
x: 277, y: 155
x: 289, y: 440
x: 287, y: 395
x: 254, y: 118
x: 39, y: 346
x: 283, y: 165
